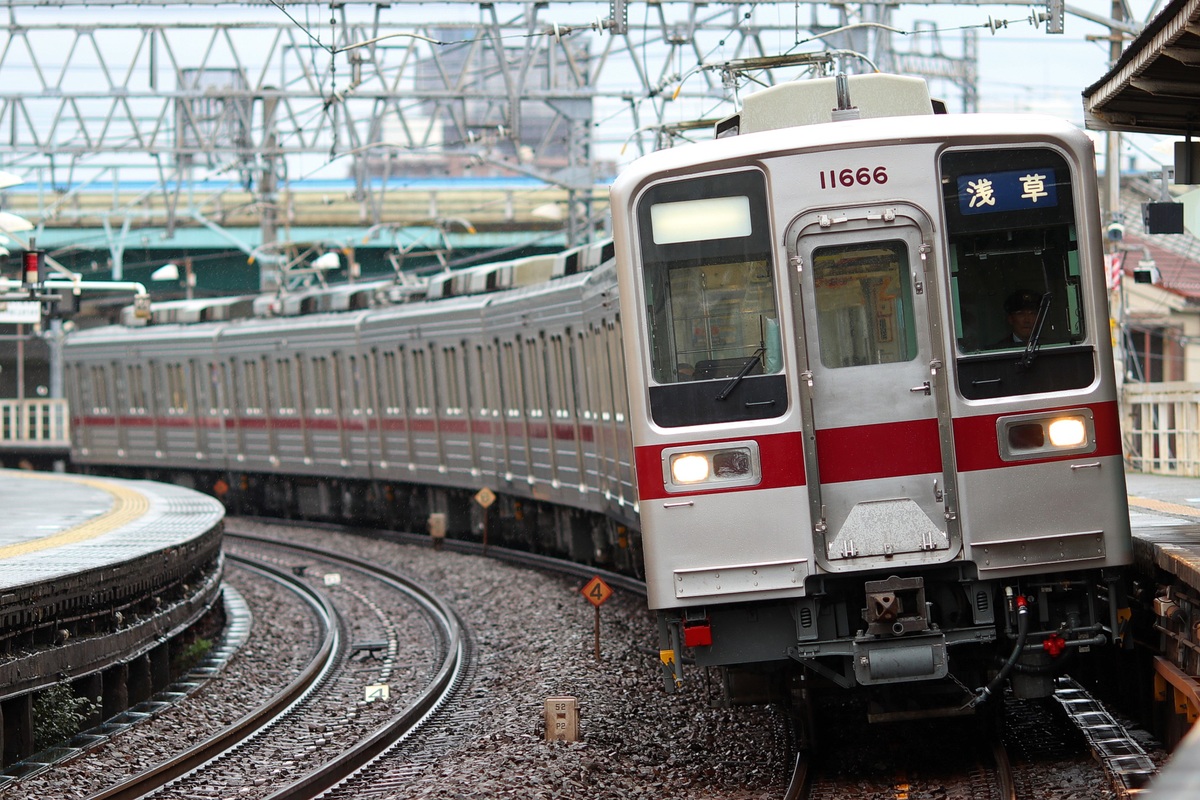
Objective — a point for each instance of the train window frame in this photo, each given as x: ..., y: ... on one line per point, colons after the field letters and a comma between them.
x: 153, y: 368
x: 1019, y: 247
x: 451, y: 401
x: 715, y: 300
x: 533, y: 378
x: 100, y: 392
x: 419, y: 383
x: 888, y: 323
x: 618, y: 381
x: 389, y: 381
x: 252, y: 381
x: 177, y: 389
x: 135, y: 390
x: 406, y: 387
x: 219, y: 404
x: 482, y: 376
x: 197, y: 387
x: 285, y: 387
x: 322, y: 396
x: 352, y: 388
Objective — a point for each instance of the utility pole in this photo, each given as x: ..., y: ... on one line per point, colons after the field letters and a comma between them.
x: 1112, y: 155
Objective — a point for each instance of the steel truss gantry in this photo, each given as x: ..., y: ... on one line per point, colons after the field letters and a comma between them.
x: 189, y: 101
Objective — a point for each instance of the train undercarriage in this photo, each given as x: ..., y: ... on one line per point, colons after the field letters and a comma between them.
x: 916, y: 646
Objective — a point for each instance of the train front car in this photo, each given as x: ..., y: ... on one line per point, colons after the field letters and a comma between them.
x: 872, y: 397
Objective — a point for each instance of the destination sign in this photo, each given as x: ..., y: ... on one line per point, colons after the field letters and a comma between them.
x: 1013, y: 190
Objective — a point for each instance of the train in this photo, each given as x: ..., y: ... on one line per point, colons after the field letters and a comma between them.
x: 840, y: 388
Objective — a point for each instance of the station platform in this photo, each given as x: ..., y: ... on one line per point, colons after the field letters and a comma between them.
x: 56, y: 525
x: 97, y: 578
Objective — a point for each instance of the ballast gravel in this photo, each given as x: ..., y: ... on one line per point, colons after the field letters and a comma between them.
x: 534, y: 638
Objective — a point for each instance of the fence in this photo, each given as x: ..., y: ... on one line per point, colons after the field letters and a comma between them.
x: 35, y: 424
x: 1161, y: 425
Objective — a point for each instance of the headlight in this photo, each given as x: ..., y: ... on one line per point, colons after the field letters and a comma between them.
x: 1068, y: 432
x: 1046, y: 435
x: 689, y: 468
x: 725, y: 465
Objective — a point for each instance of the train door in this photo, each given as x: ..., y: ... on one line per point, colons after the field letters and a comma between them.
x: 879, y: 449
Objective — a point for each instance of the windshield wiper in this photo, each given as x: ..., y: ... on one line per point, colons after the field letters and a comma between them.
x: 1035, y: 338
x: 743, y: 372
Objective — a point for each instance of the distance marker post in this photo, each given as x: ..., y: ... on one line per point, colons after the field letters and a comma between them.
x: 597, y: 592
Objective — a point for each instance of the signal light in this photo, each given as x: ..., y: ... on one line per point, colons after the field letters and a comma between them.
x: 34, y: 272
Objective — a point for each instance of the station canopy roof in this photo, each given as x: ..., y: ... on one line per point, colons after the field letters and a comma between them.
x: 1155, y: 85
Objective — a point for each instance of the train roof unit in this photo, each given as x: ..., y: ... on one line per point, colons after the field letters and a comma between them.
x: 812, y: 102
x: 404, y: 289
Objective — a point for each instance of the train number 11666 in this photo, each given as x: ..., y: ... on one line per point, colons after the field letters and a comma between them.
x: 863, y: 176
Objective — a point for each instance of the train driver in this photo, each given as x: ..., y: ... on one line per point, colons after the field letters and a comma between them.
x: 1020, y: 312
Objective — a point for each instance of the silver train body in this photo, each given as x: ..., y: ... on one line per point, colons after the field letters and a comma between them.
x: 845, y: 457
x: 383, y: 402
x: 844, y: 476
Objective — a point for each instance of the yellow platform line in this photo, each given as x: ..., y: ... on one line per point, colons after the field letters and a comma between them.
x: 1164, y: 507
x: 128, y: 505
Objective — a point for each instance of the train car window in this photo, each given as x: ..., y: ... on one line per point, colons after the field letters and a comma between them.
x: 100, y: 389
x: 177, y: 388
x: 263, y: 371
x: 319, y: 382
x: 76, y: 390
x: 708, y: 274
x: 484, y: 389
x: 156, y: 394
x: 469, y: 387
x: 532, y: 378
x: 136, y: 389
x: 452, y: 401
x: 352, y: 387
x: 235, y: 399
x: 592, y: 388
x: 299, y: 386
x: 252, y: 386
x: 437, y: 399
x: 405, y: 397
x: 616, y: 372
x: 389, y: 384
x: 1015, y: 273
x: 420, y: 382
x: 561, y: 396
x: 286, y: 389
x: 512, y: 381
x: 864, y: 310
x: 577, y: 353
x: 197, y: 386
x: 221, y: 376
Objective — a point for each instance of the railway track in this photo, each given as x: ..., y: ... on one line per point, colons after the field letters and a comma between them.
x: 295, y: 720
x: 392, y: 757
x: 874, y: 769
x: 1069, y: 744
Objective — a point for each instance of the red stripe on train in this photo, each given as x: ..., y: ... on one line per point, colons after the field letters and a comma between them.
x: 976, y: 447
x: 887, y: 450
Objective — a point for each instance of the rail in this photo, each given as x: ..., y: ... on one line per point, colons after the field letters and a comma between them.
x: 35, y: 424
